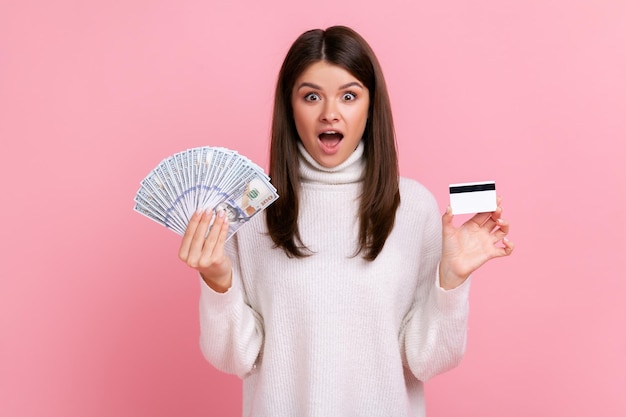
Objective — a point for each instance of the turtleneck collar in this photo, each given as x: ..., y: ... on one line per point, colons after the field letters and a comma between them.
x: 352, y: 170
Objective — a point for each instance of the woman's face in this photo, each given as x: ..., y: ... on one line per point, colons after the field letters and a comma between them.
x: 330, y: 109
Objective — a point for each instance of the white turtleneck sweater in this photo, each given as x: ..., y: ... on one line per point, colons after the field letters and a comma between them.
x: 332, y: 334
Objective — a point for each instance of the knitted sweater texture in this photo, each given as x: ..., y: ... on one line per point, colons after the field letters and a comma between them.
x: 333, y: 334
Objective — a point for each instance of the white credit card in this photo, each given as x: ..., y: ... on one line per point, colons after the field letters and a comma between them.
x: 473, y: 197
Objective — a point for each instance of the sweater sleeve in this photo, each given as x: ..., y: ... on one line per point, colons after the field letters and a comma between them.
x: 433, y: 336
x: 231, y: 332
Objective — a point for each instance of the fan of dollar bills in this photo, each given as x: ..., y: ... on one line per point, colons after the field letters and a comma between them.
x: 201, y: 179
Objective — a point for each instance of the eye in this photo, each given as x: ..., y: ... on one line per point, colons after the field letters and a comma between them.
x: 312, y: 97
x: 349, y: 96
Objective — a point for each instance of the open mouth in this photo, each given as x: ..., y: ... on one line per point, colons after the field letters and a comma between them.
x: 330, y: 139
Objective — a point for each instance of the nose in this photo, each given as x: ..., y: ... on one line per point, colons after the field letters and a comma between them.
x: 330, y: 113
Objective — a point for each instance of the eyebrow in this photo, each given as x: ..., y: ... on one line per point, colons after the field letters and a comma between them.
x: 342, y: 87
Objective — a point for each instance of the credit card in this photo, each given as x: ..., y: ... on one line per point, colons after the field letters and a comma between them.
x: 473, y: 197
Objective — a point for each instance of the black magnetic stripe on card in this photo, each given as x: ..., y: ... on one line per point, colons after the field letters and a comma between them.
x: 472, y: 188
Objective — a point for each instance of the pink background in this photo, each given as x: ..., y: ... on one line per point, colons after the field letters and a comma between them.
x: 99, y: 318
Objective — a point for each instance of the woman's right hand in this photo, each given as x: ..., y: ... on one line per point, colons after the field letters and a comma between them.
x: 202, y: 248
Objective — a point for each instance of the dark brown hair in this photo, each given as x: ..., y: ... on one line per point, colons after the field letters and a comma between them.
x: 341, y: 46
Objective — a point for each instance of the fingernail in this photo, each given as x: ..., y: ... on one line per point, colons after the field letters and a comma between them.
x: 500, y: 221
x: 220, y: 213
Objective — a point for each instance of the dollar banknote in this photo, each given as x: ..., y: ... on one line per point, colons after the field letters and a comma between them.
x: 204, y: 178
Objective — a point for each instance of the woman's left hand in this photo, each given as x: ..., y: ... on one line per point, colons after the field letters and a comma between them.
x: 472, y: 244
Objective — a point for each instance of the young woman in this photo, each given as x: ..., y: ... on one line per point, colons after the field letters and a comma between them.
x: 351, y: 290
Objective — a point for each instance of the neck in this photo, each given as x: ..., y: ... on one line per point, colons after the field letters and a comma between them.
x: 349, y: 171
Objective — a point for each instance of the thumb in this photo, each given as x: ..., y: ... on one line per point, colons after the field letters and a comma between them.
x: 446, y: 219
